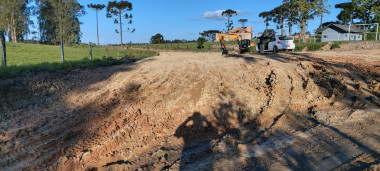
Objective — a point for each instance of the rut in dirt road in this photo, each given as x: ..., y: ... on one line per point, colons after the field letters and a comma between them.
x: 189, y: 111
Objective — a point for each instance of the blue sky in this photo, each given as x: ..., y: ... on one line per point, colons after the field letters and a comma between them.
x: 180, y: 19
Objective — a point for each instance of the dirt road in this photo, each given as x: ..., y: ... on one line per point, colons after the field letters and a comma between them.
x: 198, y: 111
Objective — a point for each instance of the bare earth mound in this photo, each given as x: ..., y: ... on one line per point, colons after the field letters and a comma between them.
x: 198, y: 111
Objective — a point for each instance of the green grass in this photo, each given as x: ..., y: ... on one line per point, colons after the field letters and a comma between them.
x: 313, y: 46
x: 28, y: 58
x: 337, y: 44
x: 27, y: 54
x: 189, y: 46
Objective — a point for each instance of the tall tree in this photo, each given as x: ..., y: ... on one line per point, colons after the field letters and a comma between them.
x: 157, y: 39
x: 59, y: 19
x: 305, y: 10
x: 348, y: 13
x: 17, y: 18
x: 97, y: 8
x: 279, y: 15
x: 242, y: 22
x: 119, y: 9
x: 322, y: 8
x: 2, y: 33
x: 366, y: 11
x: 267, y: 15
x: 209, y: 34
x: 229, y: 13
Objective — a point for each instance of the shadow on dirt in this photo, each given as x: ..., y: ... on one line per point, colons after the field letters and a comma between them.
x: 246, y: 57
x: 58, y: 131
x: 196, y: 132
x: 242, y: 142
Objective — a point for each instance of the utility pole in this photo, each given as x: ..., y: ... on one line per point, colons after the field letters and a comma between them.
x: 97, y: 26
x: 121, y: 30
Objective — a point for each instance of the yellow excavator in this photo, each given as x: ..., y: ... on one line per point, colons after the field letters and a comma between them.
x: 244, y: 44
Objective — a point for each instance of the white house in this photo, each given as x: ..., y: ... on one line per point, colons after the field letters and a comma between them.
x: 338, y: 32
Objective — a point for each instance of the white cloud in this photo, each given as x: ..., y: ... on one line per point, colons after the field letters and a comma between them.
x: 217, y: 15
x: 258, y: 21
x: 214, y: 15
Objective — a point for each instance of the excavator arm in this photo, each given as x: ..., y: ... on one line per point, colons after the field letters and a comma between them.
x: 233, y: 36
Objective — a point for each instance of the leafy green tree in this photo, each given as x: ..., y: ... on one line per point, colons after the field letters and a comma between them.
x: 16, y: 13
x: 267, y: 17
x: 304, y: 10
x: 242, y: 22
x: 157, y: 39
x: 229, y: 13
x: 366, y: 11
x: 97, y: 7
x: 279, y: 15
x: 322, y: 8
x: 348, y: 13
x: 200, y: 42
x: 209, y: 34
x: 119, y: 9
x: 59, y: 20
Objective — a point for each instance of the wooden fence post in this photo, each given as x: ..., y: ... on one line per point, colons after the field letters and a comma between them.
x: 106, y: 52
x: 90, y: 50
x: 3, y: 49
x: 62, y: 51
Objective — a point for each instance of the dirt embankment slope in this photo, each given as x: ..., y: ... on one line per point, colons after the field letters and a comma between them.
x: 182, y: 110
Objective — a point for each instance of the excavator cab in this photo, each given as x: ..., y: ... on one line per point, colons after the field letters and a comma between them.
x: 244, y: 44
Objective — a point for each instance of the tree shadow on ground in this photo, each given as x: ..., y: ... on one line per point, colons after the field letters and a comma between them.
x: 57, y: 131
x: 243, y: 143
x: 248, y: 58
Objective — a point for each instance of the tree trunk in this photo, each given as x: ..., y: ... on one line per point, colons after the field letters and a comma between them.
x: 303, y: 28
x: 290, y: 29
x: 97, y: 26
x: 320, y: 26
x: 62, y: 51
x: 2, y: 49
x: 121, y: 30
x: 228, y: 24
x: 9, y: 31
x: 13, y: 29
x: 283, y: 27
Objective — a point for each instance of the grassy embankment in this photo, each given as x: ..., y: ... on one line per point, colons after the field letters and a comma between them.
x: 188, y: 46
x: 28, y: 58
x: 192, y: 46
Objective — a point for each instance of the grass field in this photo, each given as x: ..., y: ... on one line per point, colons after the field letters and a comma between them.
x: 23, y: 59
x: 27, y: 54
x: 189, y: 46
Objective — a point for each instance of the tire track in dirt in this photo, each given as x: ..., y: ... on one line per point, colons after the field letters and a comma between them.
x: 185, y: 110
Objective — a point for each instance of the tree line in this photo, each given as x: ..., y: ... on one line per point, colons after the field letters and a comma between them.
x: 298, y: 12
x: 57, y: 20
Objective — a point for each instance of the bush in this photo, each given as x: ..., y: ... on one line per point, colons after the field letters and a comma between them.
x: 200, y: 42
x: 314, y: 46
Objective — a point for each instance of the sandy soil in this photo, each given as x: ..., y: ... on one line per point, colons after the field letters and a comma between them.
x: 198, y: 111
